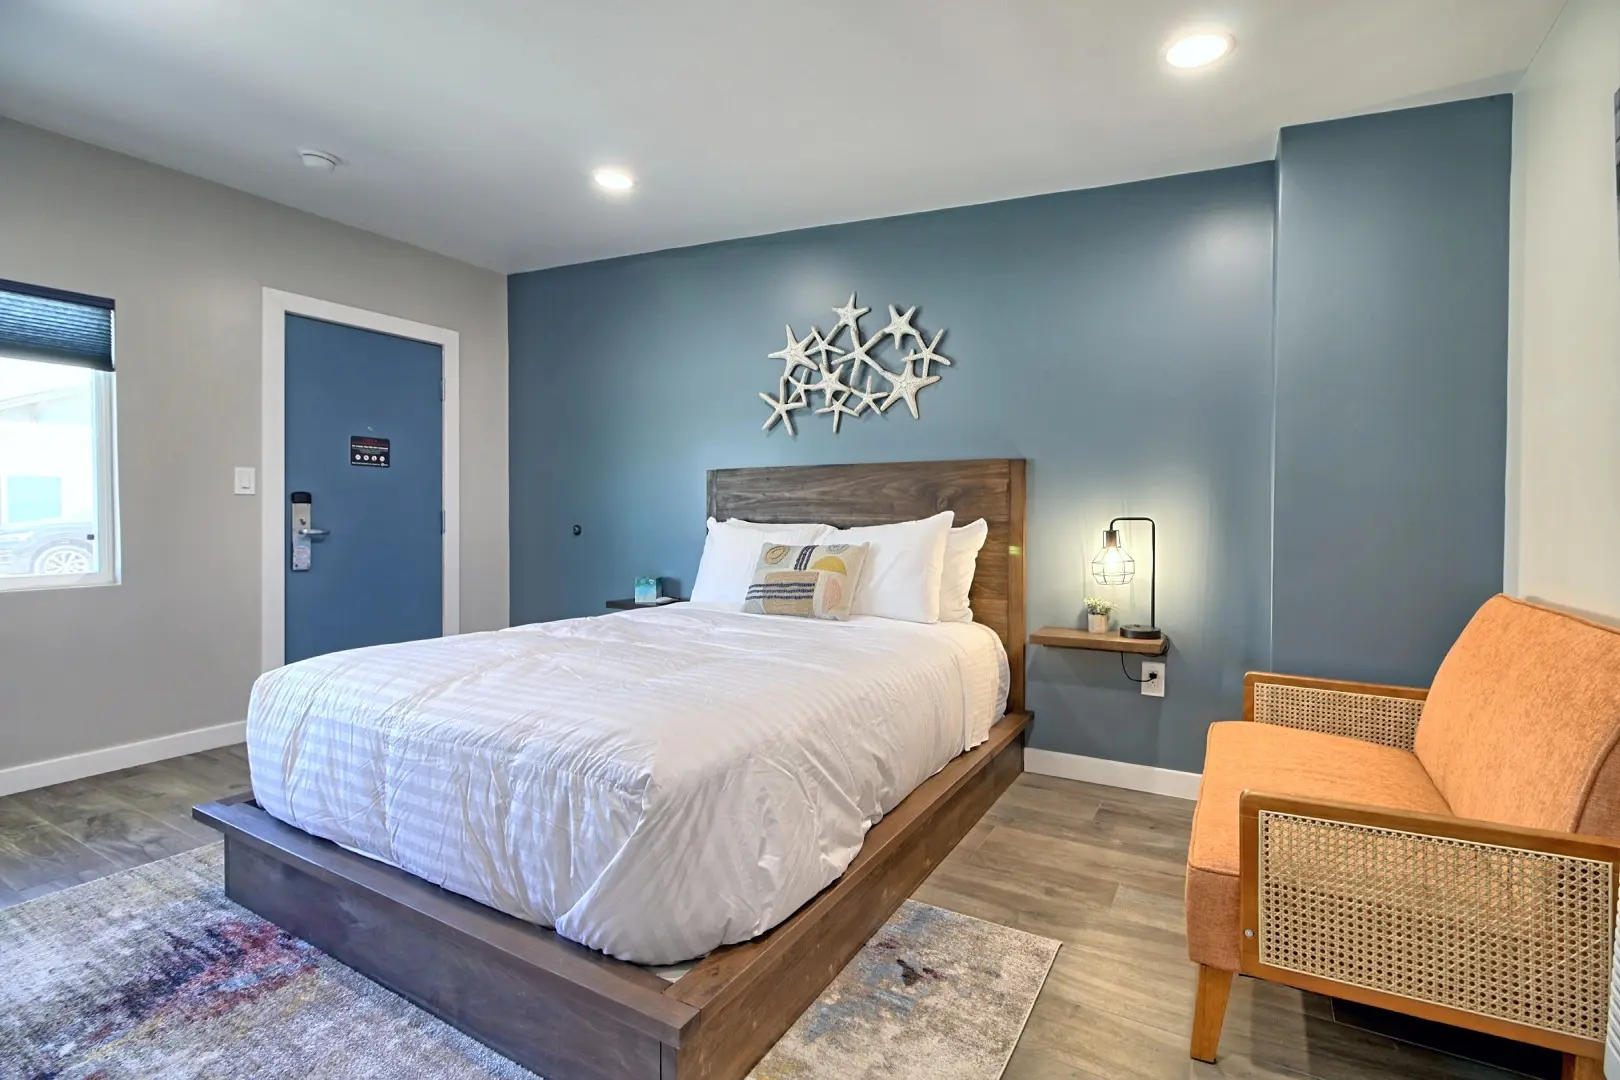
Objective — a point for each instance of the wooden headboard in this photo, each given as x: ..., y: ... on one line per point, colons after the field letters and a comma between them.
x: 850, y: 495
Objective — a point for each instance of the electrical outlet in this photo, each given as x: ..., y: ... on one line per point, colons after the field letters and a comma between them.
x: 1153, y: 678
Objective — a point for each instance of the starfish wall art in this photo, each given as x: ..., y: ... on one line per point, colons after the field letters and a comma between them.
x: 817, y: 365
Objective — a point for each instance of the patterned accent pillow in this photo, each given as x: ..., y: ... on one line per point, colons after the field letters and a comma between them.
x: 813, y: 582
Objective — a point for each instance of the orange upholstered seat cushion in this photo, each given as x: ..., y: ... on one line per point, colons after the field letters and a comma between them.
x: 1278, y: 761
x: 1523, y: 718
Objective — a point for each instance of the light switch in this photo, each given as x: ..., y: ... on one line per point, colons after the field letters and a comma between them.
x: 246, y: 483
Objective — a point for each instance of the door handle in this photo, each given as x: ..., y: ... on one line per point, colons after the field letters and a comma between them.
x: 302, y: 531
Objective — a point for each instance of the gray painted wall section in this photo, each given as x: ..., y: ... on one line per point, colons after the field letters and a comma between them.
x: 175, y: 647
x: 1391, y: 397
x: 1120, y: 339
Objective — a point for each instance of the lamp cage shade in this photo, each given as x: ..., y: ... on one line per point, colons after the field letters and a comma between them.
x: 1113, y: 564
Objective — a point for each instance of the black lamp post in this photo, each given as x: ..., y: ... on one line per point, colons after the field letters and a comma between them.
x: 1114, y: 566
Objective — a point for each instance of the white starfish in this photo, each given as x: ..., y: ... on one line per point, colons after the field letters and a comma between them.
x: 780, y: 410
x: 927, y: 354
x: 839, y: 410
x: 905, y: 385
x: 849, y: 315
x: 862, y: 352
x: 821, y: 346
x: 829, y: 386
x: 900, y: 326
x: 793, y: 356
x: 867, y: 398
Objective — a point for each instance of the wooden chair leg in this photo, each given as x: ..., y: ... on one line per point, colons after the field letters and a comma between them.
x: 1214, y: 987
x: 1582, y: 1068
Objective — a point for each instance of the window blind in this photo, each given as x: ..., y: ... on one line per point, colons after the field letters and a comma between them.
x: 55, y: 326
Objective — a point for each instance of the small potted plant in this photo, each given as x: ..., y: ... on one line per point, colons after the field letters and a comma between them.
x: 1097, y: 612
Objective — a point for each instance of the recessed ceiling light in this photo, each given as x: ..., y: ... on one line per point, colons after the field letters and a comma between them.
x: 318, y: 159
x: 613, y: 179
x: 1197, y: 50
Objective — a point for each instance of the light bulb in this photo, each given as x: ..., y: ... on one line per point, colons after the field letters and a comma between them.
x: 613, y: 179
x: 1113, y: 565
x: 1197, y: 50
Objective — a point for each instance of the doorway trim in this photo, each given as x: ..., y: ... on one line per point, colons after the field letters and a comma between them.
x: 273, y: 454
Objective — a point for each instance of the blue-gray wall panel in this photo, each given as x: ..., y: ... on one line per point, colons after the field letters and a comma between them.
x: 1391, y: 398
x: 1120, y: 339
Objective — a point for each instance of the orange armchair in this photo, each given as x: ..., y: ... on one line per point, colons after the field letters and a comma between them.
x: 1451, y: 853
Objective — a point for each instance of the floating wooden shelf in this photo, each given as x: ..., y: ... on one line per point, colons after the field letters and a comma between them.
x: 1062, y: 637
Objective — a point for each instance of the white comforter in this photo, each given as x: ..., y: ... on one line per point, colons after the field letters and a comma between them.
x: 653, y: 784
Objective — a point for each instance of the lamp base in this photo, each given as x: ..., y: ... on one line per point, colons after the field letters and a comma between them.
x: 1144, y: 633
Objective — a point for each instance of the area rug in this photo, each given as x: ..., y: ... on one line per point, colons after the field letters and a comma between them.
x: 153, y: 973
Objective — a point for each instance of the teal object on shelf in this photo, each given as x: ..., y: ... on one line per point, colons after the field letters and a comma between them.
x: 646, y: 590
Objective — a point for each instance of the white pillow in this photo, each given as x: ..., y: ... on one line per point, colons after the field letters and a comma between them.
x: 903, y: 568
x: 731, y: 551
x: 962, y: 546
x: 765, y: 526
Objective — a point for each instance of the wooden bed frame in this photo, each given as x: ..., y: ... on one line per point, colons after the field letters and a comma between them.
x: 570, y: 1013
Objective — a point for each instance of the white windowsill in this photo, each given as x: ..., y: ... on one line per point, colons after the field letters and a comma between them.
x: 43, y: 583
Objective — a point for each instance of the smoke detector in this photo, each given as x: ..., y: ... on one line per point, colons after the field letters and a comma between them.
x: 319, y: 160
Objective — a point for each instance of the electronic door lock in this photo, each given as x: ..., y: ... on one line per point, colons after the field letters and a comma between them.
x: 303, y: 533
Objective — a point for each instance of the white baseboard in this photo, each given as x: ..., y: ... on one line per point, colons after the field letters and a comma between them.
x: 1120, y: 774
x: 38, y: 774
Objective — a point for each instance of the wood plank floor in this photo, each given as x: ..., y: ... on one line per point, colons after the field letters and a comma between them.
x: 52, y: 838
x: 1098, y: 868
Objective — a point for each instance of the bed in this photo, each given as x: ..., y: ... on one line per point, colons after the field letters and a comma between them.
x: 434, y: 890
x: 549, y: 771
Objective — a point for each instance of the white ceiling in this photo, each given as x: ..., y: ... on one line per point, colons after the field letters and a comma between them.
x: 471, y: 127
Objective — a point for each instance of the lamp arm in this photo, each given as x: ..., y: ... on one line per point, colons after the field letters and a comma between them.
x: 1153, y: 564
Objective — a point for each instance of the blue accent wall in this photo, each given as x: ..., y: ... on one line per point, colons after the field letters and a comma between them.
x: 1120, y: 339
x: 1392, y: 291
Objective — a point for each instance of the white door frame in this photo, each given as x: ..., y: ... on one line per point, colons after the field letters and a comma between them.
x: 273, y: 461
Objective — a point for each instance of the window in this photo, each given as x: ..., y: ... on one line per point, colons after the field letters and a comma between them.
x: 58, y: 499
x: 27, y: 499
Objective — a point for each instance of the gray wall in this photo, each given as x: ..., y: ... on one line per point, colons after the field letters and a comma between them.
x: 1392, y: 289
x: 1564, y: 323
x: 175, y: 646
x: 1120, y: 339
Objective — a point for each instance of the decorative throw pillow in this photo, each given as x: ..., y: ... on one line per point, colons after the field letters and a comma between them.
x: 812, y: 581
x: 731, y: 550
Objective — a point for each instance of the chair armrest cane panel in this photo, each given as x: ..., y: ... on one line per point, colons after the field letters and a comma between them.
x: 1493, y: 927
x: 1387, y: 715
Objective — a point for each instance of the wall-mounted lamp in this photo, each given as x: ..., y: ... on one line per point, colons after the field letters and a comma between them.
x: 1114, y: 566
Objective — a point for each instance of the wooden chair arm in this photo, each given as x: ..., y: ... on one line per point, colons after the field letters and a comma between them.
x: 1441, y: 826
x: 1495, y: 927
x: 1371, y: 712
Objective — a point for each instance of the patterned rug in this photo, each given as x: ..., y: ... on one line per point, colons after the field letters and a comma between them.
x: 153, y: 973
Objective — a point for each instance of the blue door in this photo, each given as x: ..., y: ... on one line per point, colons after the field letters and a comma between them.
x: 364, y: 439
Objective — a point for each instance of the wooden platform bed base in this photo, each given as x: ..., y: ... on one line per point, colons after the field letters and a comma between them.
x: 569, y: 1013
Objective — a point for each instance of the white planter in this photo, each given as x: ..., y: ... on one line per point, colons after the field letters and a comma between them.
x: 1097, y: 624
